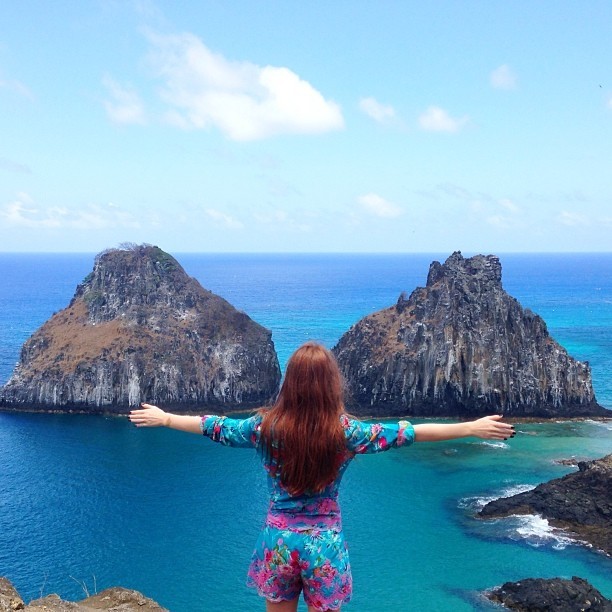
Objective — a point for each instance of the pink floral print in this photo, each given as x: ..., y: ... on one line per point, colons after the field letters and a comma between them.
x: 302, y: 547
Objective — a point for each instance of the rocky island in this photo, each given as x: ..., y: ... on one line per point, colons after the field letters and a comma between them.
x: 462, y: 346
x: 139, y: 329
x: 550, y: 595
x: 580, y: 503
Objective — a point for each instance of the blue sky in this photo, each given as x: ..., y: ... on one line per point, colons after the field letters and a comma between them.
x: 343, y: 126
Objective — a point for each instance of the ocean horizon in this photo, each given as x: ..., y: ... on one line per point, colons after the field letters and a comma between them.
x: 92, y: 500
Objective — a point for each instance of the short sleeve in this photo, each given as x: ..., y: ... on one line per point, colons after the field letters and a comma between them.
x: 242, y: 433
x: 376, y: 437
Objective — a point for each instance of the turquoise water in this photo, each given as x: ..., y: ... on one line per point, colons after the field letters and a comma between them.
x: 93, y: 500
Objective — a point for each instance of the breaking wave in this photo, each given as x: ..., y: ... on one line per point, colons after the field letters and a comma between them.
x: 533, y: 529
x: 499, y: 444
x: 478, y: 502
x: 537, y: 531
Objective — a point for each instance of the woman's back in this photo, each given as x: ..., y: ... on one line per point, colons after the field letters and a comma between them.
x: 301, y: 434
x: 307, y: 509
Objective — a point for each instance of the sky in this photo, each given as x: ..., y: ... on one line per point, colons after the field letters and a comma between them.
x: 291, y: 126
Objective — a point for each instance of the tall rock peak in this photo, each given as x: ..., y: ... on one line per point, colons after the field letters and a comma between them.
x: 127, y: 280
x: 486, y: 268
x: 139, y: 329
x: 462, y: 346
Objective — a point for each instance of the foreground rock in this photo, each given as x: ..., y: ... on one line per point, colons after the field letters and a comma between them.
x: 139, y: 329
x: 116, y: 599
x: 461, y: 346
x: 552, y: 595
x: 580, y: 503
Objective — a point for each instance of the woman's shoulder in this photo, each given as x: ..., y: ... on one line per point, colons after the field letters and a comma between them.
x: 254, y: 421
x: 349, y: 423
x: 345, y: 419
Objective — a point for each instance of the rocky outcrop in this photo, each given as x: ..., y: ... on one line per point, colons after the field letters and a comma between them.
x: 461, y: 346
x: 139, y: 329
x: 550, y: 595
x: 580, y: 503
x: 115, y: 599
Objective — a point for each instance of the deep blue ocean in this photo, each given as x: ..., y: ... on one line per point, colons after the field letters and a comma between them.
x: 87, y: 502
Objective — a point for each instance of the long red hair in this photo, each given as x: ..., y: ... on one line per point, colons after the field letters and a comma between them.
x: 301, y: 431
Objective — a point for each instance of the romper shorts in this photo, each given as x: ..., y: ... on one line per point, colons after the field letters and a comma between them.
x: 312, y: 560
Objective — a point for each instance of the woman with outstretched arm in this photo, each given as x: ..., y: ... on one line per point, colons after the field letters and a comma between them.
x: 306, y: 441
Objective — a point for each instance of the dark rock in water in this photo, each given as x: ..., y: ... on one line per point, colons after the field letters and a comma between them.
x: 580, y: 503
x: 551, y: 595
x: 571, y: 461
x: 138, y: 329
x: 461, y: 346
x: 116, y: 599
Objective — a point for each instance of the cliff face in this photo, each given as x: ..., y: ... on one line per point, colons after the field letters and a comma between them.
x: 462, y: 346
x: 580, y: 502
x: 139, y: 329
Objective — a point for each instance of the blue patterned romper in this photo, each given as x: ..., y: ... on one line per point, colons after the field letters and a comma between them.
x: 301, y: 547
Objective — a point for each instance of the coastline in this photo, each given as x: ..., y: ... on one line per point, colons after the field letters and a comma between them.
x: 250, y: 411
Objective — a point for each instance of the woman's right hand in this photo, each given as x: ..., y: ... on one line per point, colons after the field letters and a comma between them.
x: 492, y: 428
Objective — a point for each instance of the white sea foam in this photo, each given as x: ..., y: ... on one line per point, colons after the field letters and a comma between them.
x: 478, y: 502
x: 533, y: 529
x: 605, y: 424
x: 493, y: 444
x: 537, y: 531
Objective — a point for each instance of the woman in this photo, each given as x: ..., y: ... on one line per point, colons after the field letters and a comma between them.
x: 306, y: 441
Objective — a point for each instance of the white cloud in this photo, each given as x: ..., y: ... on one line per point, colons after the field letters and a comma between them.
x: 499, y: 221
x: 243, y: 100
x: 22, y: 212
x: 477, y: 206
x: 503, y: 77
x: 479, y: 201
x: 572, y: 219
x: 13, y: 166
x: 381, y: 113
x: 379, y: 207
x: 223, y: 218
x: 278, y: 219
x: 274, y: 216
x: 502, y: 213
x: 436, y: 119
x: 508, y: 217
x: 509, y: 205
x: 610, y: 102
x: 124, y: 106
x: 16, y: 87
x: 455, y: 190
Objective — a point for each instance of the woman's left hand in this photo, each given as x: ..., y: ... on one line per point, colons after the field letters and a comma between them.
x: 149, y: 416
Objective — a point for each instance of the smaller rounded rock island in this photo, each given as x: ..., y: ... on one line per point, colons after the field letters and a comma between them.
x: 139, y: 329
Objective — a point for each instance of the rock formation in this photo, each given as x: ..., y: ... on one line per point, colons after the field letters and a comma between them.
x: 551, y: 595
x: 115, y: 598
x: 580, y: 503
x: 138, y: 329
x: 461, y: 346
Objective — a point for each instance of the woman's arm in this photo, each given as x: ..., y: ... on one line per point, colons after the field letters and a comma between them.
x: 489, y: 427
x: 152, y: 416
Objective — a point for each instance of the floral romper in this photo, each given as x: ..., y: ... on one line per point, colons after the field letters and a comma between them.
x: 301, y: 546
